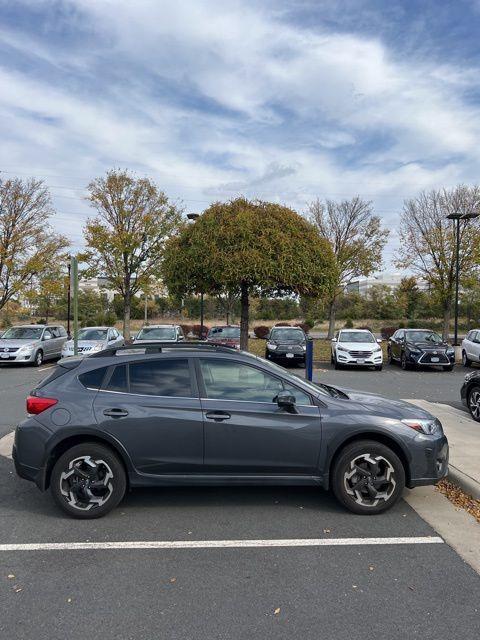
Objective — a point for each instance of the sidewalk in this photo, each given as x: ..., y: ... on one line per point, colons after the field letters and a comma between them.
x: 463, y: 435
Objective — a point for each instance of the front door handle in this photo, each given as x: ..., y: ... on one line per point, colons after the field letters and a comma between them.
x: 115, y: 413
x: 218, y: 416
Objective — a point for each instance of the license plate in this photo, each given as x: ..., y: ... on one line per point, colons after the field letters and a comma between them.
x: 435, y: 359
x: 4, y: 355
x: 361, y: 361
x: 290, y: 355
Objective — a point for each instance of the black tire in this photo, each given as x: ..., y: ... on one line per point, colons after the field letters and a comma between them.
x: 465, y: 360
x: 449, y: 367
x: 112, y: 487
x: 473, y: 402
x: 390, y: 360
x: 335, y: 363
x: 378, y: 367
x: 385, y: 461
x: 332, y: 360
x: 403, y: 362
x: 38, y: 360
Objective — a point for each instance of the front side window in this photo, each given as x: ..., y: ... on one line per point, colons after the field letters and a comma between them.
x: 23, y: 333
x: 230, y: 380
x: 161, y: 378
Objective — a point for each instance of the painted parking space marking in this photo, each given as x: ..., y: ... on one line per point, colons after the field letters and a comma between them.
x: 218, y: 544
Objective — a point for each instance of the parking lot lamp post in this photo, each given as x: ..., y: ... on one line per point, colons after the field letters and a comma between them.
x: 69, y: 298
x: 457, y: 217
x: 194, y: 216
x: 74, y: 265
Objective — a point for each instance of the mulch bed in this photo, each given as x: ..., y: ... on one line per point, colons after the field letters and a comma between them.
x: 459, y: 498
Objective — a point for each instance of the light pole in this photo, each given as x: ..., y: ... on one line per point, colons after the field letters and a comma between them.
x: 457, y: 217
x: 195, y: 216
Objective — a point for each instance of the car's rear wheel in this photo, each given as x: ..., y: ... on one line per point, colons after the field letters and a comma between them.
x: 88, y: 481
x: 474, y: 403
x: 38, y: 360
x: 368, y: 477
x: 466, y: 360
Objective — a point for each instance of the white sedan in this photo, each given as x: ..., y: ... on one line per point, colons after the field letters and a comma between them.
x: 356, y: 347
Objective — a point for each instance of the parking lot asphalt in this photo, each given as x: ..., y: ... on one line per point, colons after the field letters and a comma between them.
x: 359, y: 591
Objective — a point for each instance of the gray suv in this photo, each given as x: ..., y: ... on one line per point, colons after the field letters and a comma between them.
x: 191, y: 413
x: 32, y: 343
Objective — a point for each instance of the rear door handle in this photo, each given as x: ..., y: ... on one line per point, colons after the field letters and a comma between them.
x: 116, y: 413
x: 218, y: 416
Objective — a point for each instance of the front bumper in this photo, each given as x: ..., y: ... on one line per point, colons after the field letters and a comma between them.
x: 22, y: 358
x: 429, y: 461
x: 284, y: 355
x: 424, y: 359
x: 373, y: 360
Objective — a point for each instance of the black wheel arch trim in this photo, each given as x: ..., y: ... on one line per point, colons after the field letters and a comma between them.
x: 381, y: 437
x: 64, y: 440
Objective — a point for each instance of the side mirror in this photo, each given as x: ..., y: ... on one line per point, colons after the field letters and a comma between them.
x: 334, y: 340
x: 379, y: 340
x: 286, y: 401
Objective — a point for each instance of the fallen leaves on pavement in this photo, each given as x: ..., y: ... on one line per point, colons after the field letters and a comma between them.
x: 459, y: 498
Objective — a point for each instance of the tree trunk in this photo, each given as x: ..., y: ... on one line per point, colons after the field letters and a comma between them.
x: 446, y: 320
x: 244, y: 303
x: 331, y: 320
x: 126, y: 315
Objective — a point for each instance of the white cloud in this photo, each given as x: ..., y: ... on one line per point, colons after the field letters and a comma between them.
x: 216, y: 97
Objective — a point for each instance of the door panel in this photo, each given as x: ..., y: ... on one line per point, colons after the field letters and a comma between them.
x: 245, y: 430
x: 259, y: 438
x: 162, y: 435
x: 152, y: 408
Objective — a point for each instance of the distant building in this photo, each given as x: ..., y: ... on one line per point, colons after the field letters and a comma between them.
x: 363, y: 285
x: 101, y: 285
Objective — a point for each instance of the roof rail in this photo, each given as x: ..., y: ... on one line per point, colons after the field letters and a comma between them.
x: 158, y: 347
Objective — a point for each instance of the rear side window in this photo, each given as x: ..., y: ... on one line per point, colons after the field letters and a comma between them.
x: 161, y: 378
x: 62, y: 332
x: 118, y: 380
x: 93, y: 379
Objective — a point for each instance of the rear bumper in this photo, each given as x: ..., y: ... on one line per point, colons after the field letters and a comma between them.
x: 27, y: 472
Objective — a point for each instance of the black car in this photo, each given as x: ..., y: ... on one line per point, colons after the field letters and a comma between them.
x: 413, y: 348
x: 286, y: 345
x: 186, y: 414
x: 470, y: 394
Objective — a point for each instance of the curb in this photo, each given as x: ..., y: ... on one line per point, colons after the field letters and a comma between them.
x: 468, y: 484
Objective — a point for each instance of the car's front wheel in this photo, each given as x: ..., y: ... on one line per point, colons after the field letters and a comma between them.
x: 368, y: 477
x: 88, y: 481
x: 404, y: 362
x: 38, y: 360
x: 474, y: 403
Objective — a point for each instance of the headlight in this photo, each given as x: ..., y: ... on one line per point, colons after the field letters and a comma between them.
x: 451, y: 350
x: 304, y: 347
x: 413, y: 349
x: 341, y: 349
x: 28, y: 348
x: 271, y: 346
x: 429, y: 427
x: 378, y: 348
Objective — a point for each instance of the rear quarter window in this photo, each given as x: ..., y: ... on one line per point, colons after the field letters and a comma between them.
x: 93, y: 379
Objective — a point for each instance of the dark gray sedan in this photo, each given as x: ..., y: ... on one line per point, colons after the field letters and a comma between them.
x: 205, y: 414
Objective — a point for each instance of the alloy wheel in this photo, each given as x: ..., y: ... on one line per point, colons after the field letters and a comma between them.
x: 87, y: 483
x: 369, y: 479
x: 38, y: 358
x: 474, y: 404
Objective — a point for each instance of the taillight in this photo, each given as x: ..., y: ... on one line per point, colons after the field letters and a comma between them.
x: 36, y: 405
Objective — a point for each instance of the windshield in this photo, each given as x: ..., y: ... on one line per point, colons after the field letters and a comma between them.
x: 23, y: 333
x: 93, y: 334
x: 224, y: 332
x: 287, y: 334
x: 355, y: 336
x: 423, y: 336
x: 157, y: 333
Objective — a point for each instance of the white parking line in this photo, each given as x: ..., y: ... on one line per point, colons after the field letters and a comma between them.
x: 218, y: 544
x: 50, y: 366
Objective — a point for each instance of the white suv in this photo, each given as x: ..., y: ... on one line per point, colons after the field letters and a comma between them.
x: 471, y: 348
x: 356, y: 347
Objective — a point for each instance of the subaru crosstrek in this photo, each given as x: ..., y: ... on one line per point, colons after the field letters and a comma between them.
x: 185, y: 414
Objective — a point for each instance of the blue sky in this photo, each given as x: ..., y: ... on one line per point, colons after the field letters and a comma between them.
x: 283, y: 100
